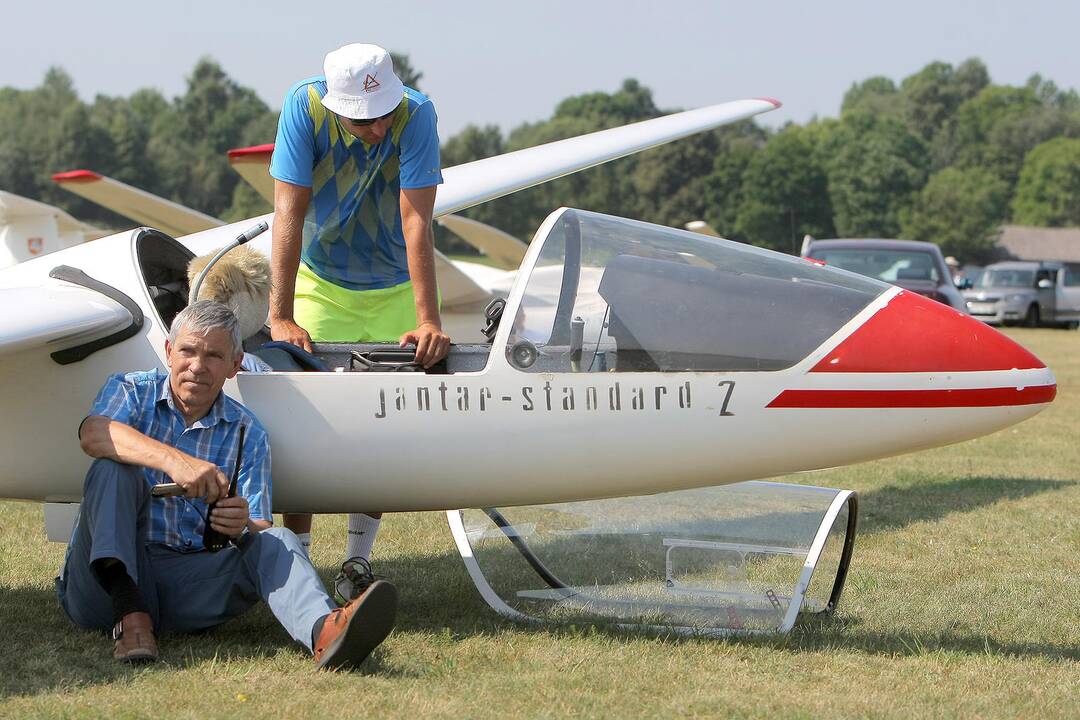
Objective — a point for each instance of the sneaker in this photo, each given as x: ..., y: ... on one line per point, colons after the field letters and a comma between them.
x: 355, y: 577
x: 349, y: 634
x: 134, y: 636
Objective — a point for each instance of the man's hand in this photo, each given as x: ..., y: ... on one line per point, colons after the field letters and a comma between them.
x: 432, y: 344
x: 230, y: 516
x: 290, y: 332
x: 199, y: 478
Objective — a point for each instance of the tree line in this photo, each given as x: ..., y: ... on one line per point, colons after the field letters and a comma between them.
x: 944, y: 156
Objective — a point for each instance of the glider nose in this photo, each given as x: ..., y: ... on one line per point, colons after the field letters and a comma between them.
x: 913, y: 334
x: 918, y: 353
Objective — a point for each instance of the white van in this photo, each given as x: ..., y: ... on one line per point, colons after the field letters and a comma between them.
x: 1031, y: 293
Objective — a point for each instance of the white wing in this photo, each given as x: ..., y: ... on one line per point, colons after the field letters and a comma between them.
x: 502, y: 247
x: 253, y: 164
x: 456, y: 287
x: 482, y: 180
x: 139, y: 205
x: 63, y: 315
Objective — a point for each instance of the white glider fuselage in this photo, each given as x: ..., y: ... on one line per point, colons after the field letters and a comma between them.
x: 508, y: 435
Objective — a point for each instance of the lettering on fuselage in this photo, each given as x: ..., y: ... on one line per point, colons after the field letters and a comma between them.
x: 618, y: 397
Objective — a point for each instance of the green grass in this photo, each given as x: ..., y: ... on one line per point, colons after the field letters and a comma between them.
x: 963, y: 600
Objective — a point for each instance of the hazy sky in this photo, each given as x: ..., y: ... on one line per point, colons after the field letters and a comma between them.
x: 509, y: 62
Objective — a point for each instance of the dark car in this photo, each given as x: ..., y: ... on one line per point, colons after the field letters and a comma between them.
x: 916, y: 266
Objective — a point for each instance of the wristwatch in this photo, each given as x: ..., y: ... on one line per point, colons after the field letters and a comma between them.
x: 242, y: 538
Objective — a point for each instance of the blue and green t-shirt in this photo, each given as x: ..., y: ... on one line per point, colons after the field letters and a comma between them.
x: 352, y: 234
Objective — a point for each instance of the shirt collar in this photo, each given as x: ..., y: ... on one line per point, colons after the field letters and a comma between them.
x: 220, y: 411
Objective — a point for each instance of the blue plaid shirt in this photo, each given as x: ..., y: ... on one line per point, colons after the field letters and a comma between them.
x: 144, y: 401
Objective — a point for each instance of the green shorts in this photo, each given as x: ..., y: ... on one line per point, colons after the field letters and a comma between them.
x: 331, y: 313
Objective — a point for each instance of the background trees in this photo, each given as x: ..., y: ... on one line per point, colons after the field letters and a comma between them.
x: 942, y: 155
x: 1048, y: 192
x: 959, y: 208
x: 875, y: 166
x: 784, y: 192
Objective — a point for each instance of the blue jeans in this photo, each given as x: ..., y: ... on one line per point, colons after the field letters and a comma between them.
x: 184, y: 592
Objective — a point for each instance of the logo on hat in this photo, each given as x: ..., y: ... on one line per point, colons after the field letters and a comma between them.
x: 35, y: 245
x: 371, y: 84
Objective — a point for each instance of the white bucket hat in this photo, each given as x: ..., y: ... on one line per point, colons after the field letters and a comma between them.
x: 360, y: 82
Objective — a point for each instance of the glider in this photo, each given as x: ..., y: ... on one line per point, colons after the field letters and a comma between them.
x: 631, y: 372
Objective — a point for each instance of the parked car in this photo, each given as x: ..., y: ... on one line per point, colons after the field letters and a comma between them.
x: 916, y: 266
x: 1032, y: 293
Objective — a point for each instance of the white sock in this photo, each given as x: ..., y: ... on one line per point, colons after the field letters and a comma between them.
x: 362, y: 529
x: 305, y: 542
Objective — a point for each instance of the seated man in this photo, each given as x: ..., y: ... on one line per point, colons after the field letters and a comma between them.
x: 137, y: 564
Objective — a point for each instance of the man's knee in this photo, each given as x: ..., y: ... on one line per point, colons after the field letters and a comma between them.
x: 111, y: 485
x: 106, y: 470
x: 282, y: 535
x: 272, y: 551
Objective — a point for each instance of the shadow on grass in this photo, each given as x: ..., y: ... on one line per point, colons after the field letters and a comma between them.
x: 823, y: 633
x: 45, y: 651
x: 437, y: 593
x: 463, y: 614
x: 826, y: 632
x: 894, y: 507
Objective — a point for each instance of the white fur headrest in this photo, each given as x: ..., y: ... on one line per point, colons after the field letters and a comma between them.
x: 240, y: 280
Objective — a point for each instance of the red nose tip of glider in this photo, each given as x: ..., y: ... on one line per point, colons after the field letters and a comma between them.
x: 916, y: 334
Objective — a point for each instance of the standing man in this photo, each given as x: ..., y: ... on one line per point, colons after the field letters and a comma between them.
x: 137, y: 562
x: 355, y: 168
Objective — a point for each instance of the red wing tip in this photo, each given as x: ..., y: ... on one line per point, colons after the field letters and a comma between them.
x: 251, y: 151
x: 775, y: 103
x: 76, y: 176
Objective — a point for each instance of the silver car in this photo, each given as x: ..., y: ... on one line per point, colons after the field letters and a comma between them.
x: 1028, y: 293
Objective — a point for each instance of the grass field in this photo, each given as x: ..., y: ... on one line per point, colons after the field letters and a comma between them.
x: 963, y: 601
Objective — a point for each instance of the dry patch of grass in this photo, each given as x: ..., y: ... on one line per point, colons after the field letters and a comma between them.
x: 962, y: 601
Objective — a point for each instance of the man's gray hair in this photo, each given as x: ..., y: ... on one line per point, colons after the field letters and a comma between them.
x: 204, y: 316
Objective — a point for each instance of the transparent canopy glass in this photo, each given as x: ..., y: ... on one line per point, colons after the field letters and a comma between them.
x: 610, y: 294
x: 736, y: 558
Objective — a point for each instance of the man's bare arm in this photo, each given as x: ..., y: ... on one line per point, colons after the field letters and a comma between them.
x: 417, y: 207
x: 290, y: 206
x: 103, y: 437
